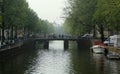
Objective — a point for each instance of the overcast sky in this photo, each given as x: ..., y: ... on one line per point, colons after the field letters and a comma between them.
x: 50, y: 10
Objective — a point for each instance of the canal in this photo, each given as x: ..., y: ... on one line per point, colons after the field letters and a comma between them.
x: 56, y: 60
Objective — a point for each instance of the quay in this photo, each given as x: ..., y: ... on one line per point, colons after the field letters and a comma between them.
x: 16, y: 48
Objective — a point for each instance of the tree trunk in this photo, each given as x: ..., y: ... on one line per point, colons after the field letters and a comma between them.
x: 16, y: 33
x: 94, y: 31
x: 3, y: 23
x: 108, y: 31
x: 11, y: 33
x: 117, y: 29
x: 25, y: 36
x: 3, y: 34
x: 102, y: 32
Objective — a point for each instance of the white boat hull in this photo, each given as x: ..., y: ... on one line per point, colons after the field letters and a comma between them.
x: 98, y: 49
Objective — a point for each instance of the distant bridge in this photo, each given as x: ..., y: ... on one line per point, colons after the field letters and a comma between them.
x: 66, y: 41
x: 69, y: 39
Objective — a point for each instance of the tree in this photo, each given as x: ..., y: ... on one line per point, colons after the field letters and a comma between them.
x: 106, y: 15
x: 80, y: 16
x: 16, y: 15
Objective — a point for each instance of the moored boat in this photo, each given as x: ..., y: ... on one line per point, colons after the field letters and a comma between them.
x: 113, y: 56
x: 98, y: 49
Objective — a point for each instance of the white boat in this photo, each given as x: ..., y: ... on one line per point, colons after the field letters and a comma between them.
x: 113, y: 56
x: 98, y: 49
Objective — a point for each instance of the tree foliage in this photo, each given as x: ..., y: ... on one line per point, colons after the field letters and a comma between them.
x: 84, y: 15
x: 16, y: 15
x: 80, y: 15
x: 107, y: 13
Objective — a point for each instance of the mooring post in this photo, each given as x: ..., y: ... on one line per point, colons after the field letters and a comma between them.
x: 46, y: 44
x: 66, y: 44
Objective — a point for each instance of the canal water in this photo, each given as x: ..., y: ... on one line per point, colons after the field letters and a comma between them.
x: 56, y: 60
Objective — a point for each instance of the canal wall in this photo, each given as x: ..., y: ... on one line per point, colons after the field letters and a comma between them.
x: 16, y: 49
x: 84, y: 43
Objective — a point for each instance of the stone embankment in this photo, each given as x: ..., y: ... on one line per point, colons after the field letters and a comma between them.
x: 16, y: 48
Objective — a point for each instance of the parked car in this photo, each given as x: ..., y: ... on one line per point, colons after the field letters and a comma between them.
x: 87, y: 36
x: 112, y: 40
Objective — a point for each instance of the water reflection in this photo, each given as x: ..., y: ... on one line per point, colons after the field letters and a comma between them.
x: 113, y: 66
x: 56, y: 45
x: 58, y: 61
x: 99, y: 61
x: 54, y: 61
x: 106, y: 66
